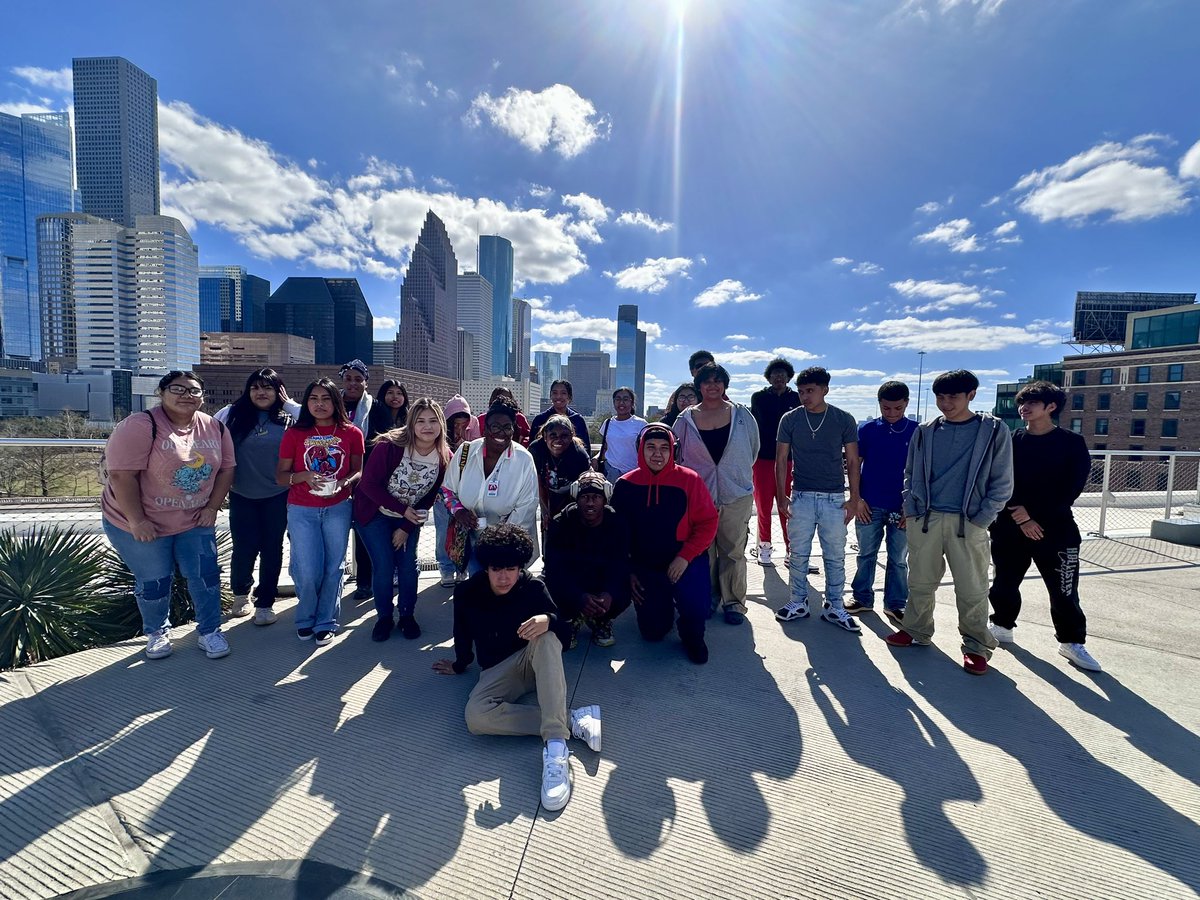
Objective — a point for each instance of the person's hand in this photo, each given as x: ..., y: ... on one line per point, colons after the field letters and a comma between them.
x: 283, y: 394
x: 903, y: 525
x: 1032, y: 530
x: 596, y: 605
x: 414, y: 515
x: 849, y: 511
x: 784, y: 504
x: 466, y: 519
x: 534, y: 626
x: 207, y: 517
x: 444, y: 667
x: 143, y: 531
x: 399, y: 538
x: 304, y: 477
x: 676, y: 569
x: 1020, y: 515
x: 635, y: 590
x: 863, y: 513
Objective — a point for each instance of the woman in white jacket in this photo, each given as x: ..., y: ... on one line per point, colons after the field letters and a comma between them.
x: 492, y: 480
x: 719, y: 440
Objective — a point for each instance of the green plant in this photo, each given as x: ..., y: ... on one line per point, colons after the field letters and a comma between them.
x: 52, y: 599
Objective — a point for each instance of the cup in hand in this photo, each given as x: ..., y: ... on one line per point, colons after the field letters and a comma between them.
x: 480, y: 523
x: 323, y: 487
x: 422, y: 515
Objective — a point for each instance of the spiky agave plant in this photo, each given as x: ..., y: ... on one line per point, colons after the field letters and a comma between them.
x: 52, y: 595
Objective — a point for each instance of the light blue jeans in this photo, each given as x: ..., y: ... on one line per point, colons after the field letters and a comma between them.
x: 441, y: 522
x: 153, y: 566
x: 895, y: 578
x: 819, y: 513
x: 318, y: 535
x: 388, y: 563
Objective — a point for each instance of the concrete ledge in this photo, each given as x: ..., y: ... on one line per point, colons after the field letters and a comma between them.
x: 1176, y: 531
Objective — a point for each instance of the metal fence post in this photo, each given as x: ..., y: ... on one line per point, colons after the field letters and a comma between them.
x: 1170, y: 484
x: 1104, y: 493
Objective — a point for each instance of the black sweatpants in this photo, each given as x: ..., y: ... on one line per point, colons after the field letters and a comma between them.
x: 1056, y: 556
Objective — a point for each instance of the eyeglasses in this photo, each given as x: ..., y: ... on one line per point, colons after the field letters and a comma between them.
x: 181, y: 390
x: 558, y: 436
x: 501, y: 429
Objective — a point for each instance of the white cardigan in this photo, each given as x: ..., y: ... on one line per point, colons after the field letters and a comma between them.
x: 508, y: 494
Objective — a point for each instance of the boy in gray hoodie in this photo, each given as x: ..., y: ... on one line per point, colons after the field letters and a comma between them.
x: 957, y: 479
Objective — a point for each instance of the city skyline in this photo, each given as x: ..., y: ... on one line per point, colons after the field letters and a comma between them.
x: 846, y: 185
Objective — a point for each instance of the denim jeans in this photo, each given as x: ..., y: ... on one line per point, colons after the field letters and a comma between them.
x: 895, y: 578
x: 257, y: 527
x: 688, y: 596
x: 387, y: 561
x: 318, y: 535
x: 153, y: 566
x: 819, y: 513
x: 441, y: 523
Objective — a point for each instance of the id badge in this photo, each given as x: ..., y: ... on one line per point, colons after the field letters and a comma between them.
x: 493, y: 489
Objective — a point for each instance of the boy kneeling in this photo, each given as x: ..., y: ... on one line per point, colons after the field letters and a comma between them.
x: 508, y: 617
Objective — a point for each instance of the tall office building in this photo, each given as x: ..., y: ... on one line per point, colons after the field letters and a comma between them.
x: 589, y: 371
x: 631, y: 354
x: 584, y: 345
x: 118, y: 298
x: 429, y: 304
x: 232, y: 300
x: 331, y: 311
x: 35, y: 179
x: 522, y: 339
x: 549, y: 368
x: 475, y: 317
x: 467, y: 355
x: 496, y: 265
x: 116, y: 138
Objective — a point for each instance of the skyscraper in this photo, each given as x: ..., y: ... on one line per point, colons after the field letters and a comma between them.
x: 522, y: 339
x: 331, y: 311
x: 35, y: 179
x: 232, y: 300
x: 496, y: 265
x: 116, y: 138
x: 475, y: 317
x: 589, y: 374
x: 429, y: 304
x: 549, y: 368
x: 118, y: 298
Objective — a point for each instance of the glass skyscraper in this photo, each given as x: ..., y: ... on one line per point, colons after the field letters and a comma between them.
x: 35, y: 179
x: 331, y: 311
x: 116, y: 125
x: 429, y: 304
x: 232, y: 300
x: 475, y: 318
x: 631, y: 354
x: 522, y: 339
x: 496, y: 265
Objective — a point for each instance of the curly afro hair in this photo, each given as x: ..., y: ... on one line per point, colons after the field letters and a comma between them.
x: 503, y: 547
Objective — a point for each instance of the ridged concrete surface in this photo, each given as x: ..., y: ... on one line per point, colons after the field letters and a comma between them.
x: 801, y: 762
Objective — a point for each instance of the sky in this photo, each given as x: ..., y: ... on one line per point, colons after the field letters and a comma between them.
x: 845, y: 184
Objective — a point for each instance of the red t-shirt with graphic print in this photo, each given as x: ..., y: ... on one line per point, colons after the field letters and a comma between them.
x: 324, y: 450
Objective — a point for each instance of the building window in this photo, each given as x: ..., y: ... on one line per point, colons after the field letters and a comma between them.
x: 1077, y: 401
x: 1079, y: 376
x: 1175, y: 372
x: 1141, y: 400
x: 1100, y: 447
x: 1101, y: 426
x: 1171, y: 400
x: 1170, y: 428
x: 1104, y: 401
x: 1077, y: 426
x: 1106, y: 376
x: 1142, y: 375
x: 1137, y: 427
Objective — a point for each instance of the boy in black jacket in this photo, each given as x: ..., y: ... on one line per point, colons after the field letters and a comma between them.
x: 508, y: 617
x: 1050, y: 468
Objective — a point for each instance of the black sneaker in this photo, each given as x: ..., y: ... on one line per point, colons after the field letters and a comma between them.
x: 363, y: 593
x: 323, y: 638
x: 733, y: 617
x: 382, y: 630
x: 409, y: 627
x: 305, y: 634
x: 696, y: 650
x: 855, y: 608
x: 896, y: 615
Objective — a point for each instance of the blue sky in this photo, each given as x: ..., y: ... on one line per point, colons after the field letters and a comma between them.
x: 847, y: 183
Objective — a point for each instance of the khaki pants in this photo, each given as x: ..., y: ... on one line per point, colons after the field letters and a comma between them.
x: 727, y: 553
x: 928, y: 553
x: 492, y: 706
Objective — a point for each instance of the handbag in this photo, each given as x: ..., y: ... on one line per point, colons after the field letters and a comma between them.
x: 457, y: 546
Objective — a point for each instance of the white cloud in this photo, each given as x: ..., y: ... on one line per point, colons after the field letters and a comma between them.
x: 1189, y: 166
x: 738, y: 337
x: 741, y: 357
x: 953, y: 234
x: 964, y: 334
x: 590, y: 213
x: 540, y: 191
x: 643, y: 220
x: 841, y: 260
x: 856, y: 373
x: 929, y: 208
x: 562, y: 325
x: 556, y: 118
x: 1006, y: 233
x: 925, y: 9
x: 18, y: 108
x: 943, y: 295
x: 384, y: 328
x: 55, y: 79
x: 725, y: 291
x: 652, y: 275
x: 867, y: 268
x: 992, y: 202
x: 1110, y: 178
x: 1008, y: 315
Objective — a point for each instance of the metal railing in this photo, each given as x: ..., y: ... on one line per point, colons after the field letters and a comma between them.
x: 1127, y: 490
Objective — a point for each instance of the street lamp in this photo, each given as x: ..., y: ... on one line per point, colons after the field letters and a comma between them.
x: 920, y: 374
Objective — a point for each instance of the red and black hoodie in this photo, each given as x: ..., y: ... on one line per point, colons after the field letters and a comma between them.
x: 668, y: 513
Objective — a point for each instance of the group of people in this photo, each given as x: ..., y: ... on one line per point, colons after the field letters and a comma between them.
x: 656, y: 520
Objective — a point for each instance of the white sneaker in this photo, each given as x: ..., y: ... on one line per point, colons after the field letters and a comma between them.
x: 1077, y: 653
x: 158, y: 644
x: 764, y: 555
x: 214, y: 645
x: 461, y: 576
x: 264, y: 615
x: 837, y: 615
x: 448, y: 580
x: 795, y: 609
x: 585, y: 725
x: 556, y: 780
x: 1001, y: 634
x: 241, y: 606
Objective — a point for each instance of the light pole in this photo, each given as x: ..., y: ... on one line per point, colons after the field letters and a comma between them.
x: 920, y: 375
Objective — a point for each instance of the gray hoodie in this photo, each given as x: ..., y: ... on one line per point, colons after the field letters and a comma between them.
x: 989, y: 479
x: 733, y: 478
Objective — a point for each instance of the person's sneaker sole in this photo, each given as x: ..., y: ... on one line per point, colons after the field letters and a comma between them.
x: 265, y: 616
x: 784, y: 614
x: 323, y: 638
x: 1087, y: 666
x: 160, y: 654
x: 597, y: 733
x: 305, y: 634
x: 1001, y: 634
x: 856, y: 609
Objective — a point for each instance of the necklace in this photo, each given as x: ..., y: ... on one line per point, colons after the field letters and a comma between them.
x: 332, y: 429
x: 899, y: 430
x: 808, y: 422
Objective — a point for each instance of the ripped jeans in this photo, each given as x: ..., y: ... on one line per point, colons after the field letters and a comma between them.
x: 153, y: 566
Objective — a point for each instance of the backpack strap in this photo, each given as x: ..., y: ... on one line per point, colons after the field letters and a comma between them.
x: 153, y: 426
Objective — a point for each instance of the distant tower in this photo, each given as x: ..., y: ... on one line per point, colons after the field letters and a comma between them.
x: 331, y: 311
x: 232, y: 300
x: 475, y: 317
x: 522, y: 339
x: 631, y: 364
x: 116, y: 138
x: 429, y: 304
x: 496, y: 265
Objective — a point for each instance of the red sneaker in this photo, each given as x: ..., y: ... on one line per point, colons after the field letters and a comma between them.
x: 975, y: 664
x: 899, y: 639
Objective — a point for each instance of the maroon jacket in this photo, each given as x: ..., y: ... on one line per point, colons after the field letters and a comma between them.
x: 372, y: 493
